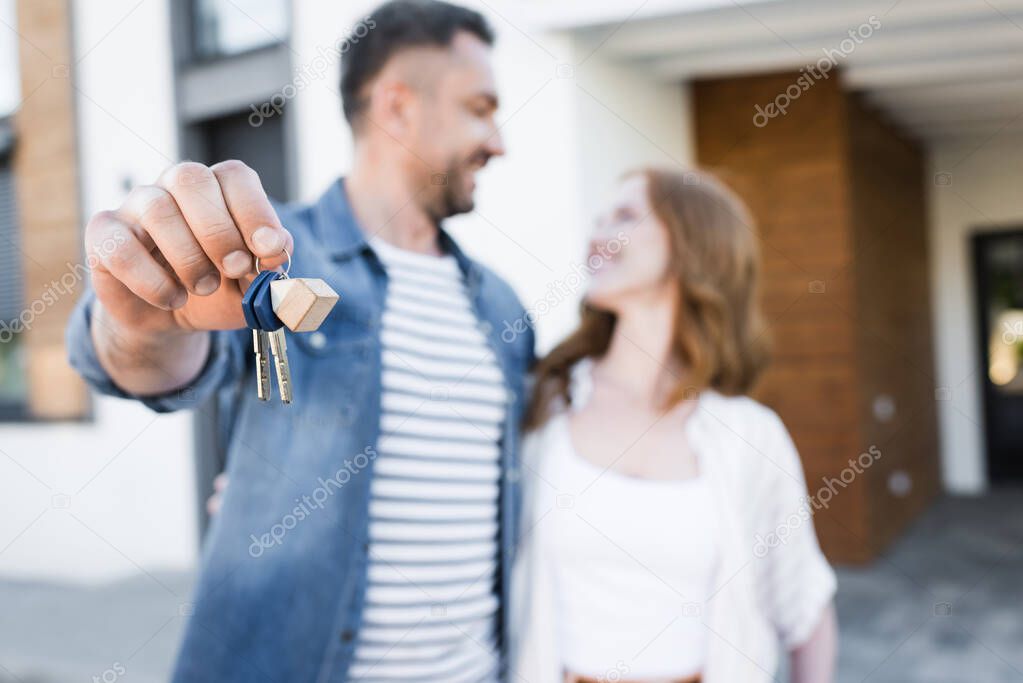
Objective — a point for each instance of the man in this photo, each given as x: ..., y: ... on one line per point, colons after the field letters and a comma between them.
x: 367, y: 529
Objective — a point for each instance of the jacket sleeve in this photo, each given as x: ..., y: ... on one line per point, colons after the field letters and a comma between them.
x: 224, y: 366
x: 796, y: 581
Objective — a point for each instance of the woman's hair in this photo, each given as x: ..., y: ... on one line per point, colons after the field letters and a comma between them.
x: 720, y: 336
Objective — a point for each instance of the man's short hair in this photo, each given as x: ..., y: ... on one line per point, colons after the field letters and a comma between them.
x: 396, y: 26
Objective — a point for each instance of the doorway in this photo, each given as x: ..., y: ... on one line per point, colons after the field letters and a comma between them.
x: 998, y: 273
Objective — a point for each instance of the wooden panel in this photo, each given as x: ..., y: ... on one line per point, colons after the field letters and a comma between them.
x: 728, y: 135
x: 812, y: 394
x: 893, y: 309
x: 810, y: 335
x: 837, y: 197
x: 46, y: 175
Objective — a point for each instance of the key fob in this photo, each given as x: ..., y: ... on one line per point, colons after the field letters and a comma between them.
x: 248, y: 299
x: 262, y: 305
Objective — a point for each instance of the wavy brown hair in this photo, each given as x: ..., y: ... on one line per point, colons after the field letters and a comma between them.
x: 720, y: 336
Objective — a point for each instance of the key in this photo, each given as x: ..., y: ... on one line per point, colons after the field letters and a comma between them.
x: 260, y: 339
x: 261, y: 344
x: 279, y: 349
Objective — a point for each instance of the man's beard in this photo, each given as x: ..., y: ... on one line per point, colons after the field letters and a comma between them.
x: 454, y: 198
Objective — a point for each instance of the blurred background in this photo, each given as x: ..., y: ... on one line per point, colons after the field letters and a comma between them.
x: 879, y: 145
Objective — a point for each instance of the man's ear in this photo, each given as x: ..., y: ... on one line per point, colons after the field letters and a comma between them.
x: 391, y: 106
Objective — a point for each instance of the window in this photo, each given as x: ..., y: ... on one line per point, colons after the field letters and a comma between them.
x: 1003, y: 265
x: 229, y: 27
x: 13, y: 388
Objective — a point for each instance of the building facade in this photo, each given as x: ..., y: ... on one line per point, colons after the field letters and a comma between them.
x: 869, y: 174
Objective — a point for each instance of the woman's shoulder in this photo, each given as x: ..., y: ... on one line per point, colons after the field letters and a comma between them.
x: 740, y: 412
x: 750, y: 435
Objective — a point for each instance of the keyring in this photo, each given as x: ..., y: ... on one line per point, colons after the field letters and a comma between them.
x: 286, y: 270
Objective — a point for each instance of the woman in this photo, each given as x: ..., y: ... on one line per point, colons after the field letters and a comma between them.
x: 666, y: 534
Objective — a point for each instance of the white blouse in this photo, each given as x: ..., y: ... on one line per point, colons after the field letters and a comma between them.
x: 771, y: 582
x: 632, y: 560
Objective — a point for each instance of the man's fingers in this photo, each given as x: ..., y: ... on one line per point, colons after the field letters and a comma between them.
x: 155, y: 211
x: 252, y: 212
x: 197, y: 193
x: 113, y: 246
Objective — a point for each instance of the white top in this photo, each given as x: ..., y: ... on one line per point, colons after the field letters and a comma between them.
x: 431, y: 608
x: 771, y: 581
x: 632, y: 559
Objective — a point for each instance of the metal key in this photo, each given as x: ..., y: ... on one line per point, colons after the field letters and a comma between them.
x: 279, y: 349
x: 261, y: 345
x: 260, y: 340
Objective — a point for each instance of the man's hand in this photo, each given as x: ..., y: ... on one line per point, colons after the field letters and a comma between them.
x: 178, y: 255
x: 171, y: 264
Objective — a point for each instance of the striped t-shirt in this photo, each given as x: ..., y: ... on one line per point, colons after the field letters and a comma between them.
x: 431, y: 602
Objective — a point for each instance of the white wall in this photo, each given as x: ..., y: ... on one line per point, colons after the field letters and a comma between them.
x: 984, y: 194
x: 571, y: 124
x: 105, y: 498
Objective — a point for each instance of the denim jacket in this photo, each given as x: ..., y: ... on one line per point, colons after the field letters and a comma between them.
x: 283, y: 572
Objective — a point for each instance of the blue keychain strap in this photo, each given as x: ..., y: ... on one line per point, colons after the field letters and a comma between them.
x: 262, y: 305
x: 248, y: 299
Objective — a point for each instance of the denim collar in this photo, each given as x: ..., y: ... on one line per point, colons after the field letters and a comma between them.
x: 342, y: 237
